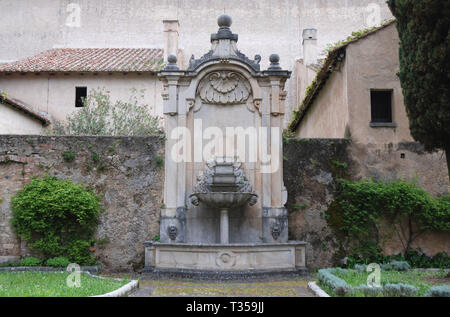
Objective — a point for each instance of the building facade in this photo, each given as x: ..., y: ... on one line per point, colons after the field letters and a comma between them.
x: 356, y: 94
x: 172, y: 26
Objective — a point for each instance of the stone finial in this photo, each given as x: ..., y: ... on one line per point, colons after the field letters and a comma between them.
x: 274, y: 62
x: 224, y: 20
x: 172, y: 63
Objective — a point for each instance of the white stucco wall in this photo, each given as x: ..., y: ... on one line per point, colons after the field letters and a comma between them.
x: 56, y: 94
x: 373, y: 63
x: 370, y: 63
x: 328, y: 116
x: 13, y: 121
x: 264, y: 26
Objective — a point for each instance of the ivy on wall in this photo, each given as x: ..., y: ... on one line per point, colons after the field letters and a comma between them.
x: 360, y: 207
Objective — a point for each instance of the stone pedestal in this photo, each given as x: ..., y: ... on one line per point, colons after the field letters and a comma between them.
x: 246, y: 258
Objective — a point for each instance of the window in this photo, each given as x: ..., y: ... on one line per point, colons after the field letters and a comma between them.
x: 80, y: 94
x: 381, y: 106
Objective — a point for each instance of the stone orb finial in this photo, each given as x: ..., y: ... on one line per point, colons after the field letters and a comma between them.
x: 172, y: 59
x: 274, y: 58
x: 224, y: 20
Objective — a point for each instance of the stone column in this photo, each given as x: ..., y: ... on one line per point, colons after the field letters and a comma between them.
x: 275, y: 220
x: 173, y: 213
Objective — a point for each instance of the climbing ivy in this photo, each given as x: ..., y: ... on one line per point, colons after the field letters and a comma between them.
x: 360, y: 206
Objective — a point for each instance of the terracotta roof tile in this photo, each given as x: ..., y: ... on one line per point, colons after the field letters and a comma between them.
x: 90, y: 60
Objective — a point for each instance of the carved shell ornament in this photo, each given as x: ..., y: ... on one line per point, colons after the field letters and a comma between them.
x: 225, y: 88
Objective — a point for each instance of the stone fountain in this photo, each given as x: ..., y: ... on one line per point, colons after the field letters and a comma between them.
x: 223, y: 186
x: 224, y: 212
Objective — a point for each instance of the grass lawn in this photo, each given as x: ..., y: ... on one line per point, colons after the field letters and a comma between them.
x: 422, y: 280
x: 37, y: 284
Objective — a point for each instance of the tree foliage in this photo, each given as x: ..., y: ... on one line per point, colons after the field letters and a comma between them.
x: 100, y: 116
x: 423, y: 28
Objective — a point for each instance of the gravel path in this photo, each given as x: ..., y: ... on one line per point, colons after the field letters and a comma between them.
x: 273, y: 288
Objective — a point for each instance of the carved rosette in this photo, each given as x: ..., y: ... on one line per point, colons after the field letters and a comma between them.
x: 224, y: 88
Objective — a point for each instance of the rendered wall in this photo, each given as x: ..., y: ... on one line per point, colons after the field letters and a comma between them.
x: 328, y: 115
x: 373, y: 63
x: 12, y: 119
x: 55, y: 94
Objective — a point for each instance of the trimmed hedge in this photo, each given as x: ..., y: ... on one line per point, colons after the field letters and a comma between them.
x: 400, y: 290
x: 439, y: 291
x: 340, y: 287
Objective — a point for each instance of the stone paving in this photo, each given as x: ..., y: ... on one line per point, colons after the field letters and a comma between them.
x: 274, y: 288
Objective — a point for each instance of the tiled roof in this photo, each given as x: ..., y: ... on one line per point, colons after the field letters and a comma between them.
x: 27, y: 109
x: 90, y: 60
x: 336, y: 55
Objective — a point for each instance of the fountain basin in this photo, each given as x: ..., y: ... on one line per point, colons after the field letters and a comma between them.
x: 241, y: 260
x: 222, y: 200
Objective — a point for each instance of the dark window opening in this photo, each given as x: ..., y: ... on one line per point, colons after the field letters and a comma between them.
x: 80, y: 95
x: 381, y: 105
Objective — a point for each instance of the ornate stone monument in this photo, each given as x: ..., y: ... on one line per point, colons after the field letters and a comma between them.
x: 224, y: 195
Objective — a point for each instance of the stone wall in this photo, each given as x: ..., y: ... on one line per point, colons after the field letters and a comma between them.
x: 127, y: 176
x: 130, y: 179
x: 310, y: 167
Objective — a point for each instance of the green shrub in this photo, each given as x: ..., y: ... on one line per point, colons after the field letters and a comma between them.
x: 415, y: 259
x: 57, y: 218
x: 368, y: 291
x: 400, y: 265
x: 338, y: 285
x: 68, y: 156
x: 359, y: 206
x: 59, y: 261
x: 31, y: 261
x: 439, y: 291
x: 400, y: 290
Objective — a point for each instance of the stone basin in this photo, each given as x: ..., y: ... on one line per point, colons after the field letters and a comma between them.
x: 227, y: 200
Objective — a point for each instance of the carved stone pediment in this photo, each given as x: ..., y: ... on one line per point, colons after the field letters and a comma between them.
x: 224, y: 88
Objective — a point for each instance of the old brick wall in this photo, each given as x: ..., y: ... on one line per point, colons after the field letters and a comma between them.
x: 126, y: 173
